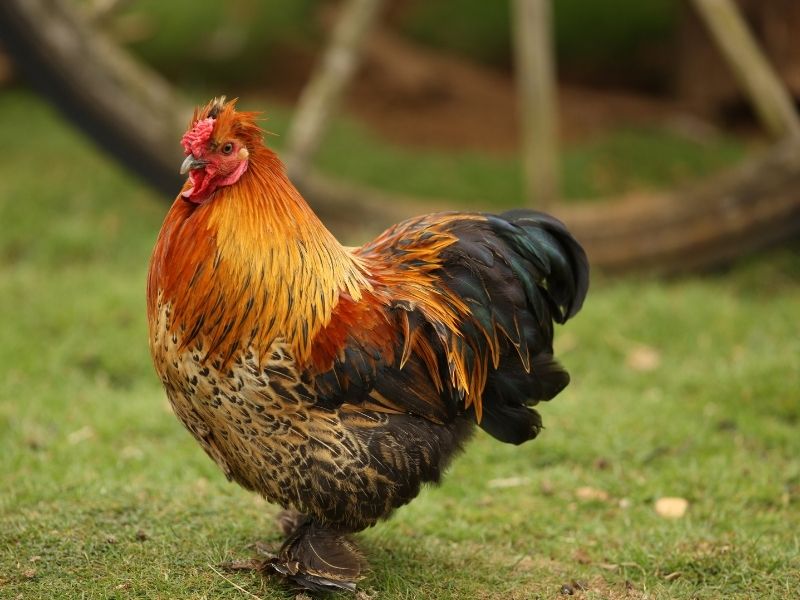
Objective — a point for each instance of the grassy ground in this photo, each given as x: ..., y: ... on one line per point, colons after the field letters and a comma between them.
x: 687, y: 388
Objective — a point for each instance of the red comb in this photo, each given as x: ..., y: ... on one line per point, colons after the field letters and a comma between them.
x: 195, y: 139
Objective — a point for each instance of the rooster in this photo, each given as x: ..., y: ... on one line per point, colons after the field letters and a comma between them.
x: 336, y: 381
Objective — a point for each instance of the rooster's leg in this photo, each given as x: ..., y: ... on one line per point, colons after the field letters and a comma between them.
x: 318, y: 558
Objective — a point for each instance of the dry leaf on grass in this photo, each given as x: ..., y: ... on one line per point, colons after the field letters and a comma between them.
x: 81, y: 435
x: 131, y: 453
x: 507, y: 482
x: 587, y: 493
x: 643, y: 358
x: 671, y: 508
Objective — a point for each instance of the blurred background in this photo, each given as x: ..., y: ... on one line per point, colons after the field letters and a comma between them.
x: 664, y: 133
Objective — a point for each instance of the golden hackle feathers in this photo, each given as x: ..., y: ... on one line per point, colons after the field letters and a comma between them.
x: 252, y: 265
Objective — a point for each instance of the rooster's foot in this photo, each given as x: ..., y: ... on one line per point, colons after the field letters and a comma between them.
x: 318, y: 559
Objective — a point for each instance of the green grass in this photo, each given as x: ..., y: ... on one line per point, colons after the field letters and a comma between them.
x: 104, y: 495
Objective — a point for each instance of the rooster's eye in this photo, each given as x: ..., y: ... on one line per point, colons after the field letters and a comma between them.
x: 227, y: 148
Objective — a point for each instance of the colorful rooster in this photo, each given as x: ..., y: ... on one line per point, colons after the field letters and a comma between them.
x: 335, y: 381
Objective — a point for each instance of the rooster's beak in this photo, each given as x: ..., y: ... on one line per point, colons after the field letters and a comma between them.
x: 192, y: 163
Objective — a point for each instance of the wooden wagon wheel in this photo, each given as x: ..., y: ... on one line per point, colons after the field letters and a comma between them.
x: 137, y: 116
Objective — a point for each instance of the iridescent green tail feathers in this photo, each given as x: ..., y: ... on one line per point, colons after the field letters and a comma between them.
x: 519, y: 272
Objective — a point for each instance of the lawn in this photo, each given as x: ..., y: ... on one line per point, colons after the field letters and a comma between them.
x: 688, y: 388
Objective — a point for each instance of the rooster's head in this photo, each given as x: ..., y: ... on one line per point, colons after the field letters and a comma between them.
x: 218, y: 145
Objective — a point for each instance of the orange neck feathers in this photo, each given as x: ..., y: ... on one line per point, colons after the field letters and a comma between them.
x: 250, y: 266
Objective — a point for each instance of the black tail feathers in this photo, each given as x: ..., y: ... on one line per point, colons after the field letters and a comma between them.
x: 552, y: 268
x: 507, y: 412
x: 545, y: 241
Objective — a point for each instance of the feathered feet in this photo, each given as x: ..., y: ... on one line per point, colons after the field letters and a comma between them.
x: 318, y: 558
x: 313, y: 557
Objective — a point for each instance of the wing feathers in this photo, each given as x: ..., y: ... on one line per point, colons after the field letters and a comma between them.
x: 461, y: 318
